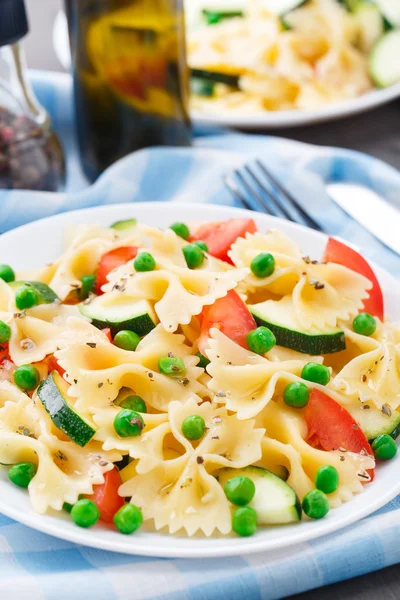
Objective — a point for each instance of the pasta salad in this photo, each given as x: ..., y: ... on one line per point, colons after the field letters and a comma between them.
x: 271, y: 55
x: 202, y: 380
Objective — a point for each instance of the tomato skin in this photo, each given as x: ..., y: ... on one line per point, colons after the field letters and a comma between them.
x: 219, y: 237
x: 53, y: 365
x: 110, y: 261
x: 107, y: 333
x: 4, y: 349
x: 231, y: 316
x: 105, y: 496
x: 341, y: 254
x: 331, y: 427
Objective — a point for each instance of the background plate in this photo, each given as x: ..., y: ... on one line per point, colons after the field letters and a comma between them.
x: 267, y: 120
x: 44, y: 240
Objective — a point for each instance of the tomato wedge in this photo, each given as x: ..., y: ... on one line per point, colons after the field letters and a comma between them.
x: 331, y: 427
x: 4, y: 349
x: 110, y: 261
x: 105, y: 496
x: 341, y: 254
x: 219, y: 237
x: 53, y: 365
x: 231, y: 316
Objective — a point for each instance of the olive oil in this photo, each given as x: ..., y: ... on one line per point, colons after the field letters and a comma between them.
x: 130, y: 77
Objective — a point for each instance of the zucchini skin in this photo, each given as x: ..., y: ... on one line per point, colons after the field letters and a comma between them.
x: 62, y: 415
x: 47, y: 295
x: 141, y: 325
x: 307, y: 344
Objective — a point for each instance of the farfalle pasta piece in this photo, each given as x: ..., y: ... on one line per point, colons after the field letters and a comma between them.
x: 288, y: 260
x: 178, y: 293
x: 328, y: 293
x: 85, y: 246
x: 244, y: 381
x: 148, y: 448
x: 97, y: 370
x: 182, y: 492
x: 373, y: 375
x: 35, y: 332
x: 64, y: 470
x: 287, y: 426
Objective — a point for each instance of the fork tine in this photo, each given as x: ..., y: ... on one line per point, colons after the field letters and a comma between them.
x: 253, y: 193
x: 279, y: 210
x: 233, y: 188
x: 271, y: 178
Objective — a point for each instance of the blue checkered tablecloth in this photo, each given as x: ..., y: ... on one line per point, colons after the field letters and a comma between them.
x: 34, y: 566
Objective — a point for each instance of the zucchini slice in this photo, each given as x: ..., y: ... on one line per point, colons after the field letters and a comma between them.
x: 278, y: 317
x: 371, y: 25
x: 53, y: 395
x: 47, y: 296
x: 120, y: 313
x: 216, y: 77
x: 374, y: 422
x: 275, y: 501
x: 126, y: 226
x: 390, y: 10
x: 384, y: 63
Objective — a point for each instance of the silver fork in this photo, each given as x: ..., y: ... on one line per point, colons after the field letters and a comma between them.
x: 268, y: 194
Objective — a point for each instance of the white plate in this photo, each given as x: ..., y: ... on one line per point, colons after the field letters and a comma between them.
x: 40, y: 242
x: 267, y: 120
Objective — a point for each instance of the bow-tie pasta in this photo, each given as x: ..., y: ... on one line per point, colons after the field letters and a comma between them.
x: 166, y: 377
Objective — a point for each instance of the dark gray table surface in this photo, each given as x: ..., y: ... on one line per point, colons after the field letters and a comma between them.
x: 376, y: 132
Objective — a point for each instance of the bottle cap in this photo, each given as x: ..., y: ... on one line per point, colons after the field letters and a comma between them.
x: 13, y: 21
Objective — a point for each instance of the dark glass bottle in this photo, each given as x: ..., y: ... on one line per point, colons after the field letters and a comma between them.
x: 130, y: 77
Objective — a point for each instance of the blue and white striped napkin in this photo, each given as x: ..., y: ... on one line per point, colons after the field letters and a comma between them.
x: 34, y: 566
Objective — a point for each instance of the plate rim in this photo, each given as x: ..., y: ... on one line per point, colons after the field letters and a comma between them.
x: 63, y: 529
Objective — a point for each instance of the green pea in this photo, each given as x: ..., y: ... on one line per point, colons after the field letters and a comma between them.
x: 261, y: 340
x: 364, y: 324
x: 193, y: 427
x: 128, y: 423
x: 6, y: 273
x: 296, y: 394
x: 85, y: 513
x: 201, y: 245
x: 327, y: 479
x: 181, y: 229
x: 144, y: 262
x: 22, y: 474
x: 384, y: 447
x: 128, y: 519
x: 263, y: 265
x: 87, y: 286
x: 316, y: 373
x: 240, y: 490
x: 135, y: 403
x: 5, y: 332
x: 315, y: 504
x: 194, y: 256
x: 244, y: 521
x: 127, y: 340
x: 203, y: 362
x: 26, y: 377
x: 67, y: 507
x: 26, y: 297
x: 171, y: 366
